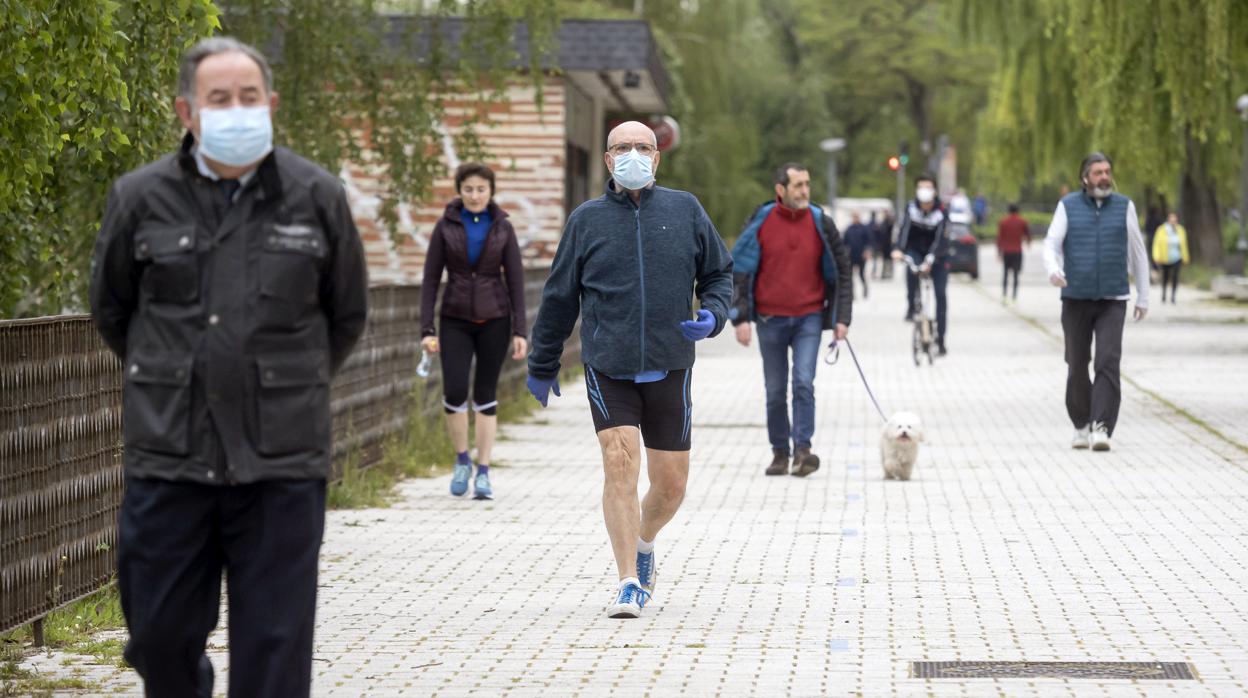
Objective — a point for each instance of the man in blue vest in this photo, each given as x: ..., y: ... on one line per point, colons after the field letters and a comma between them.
x: 1092, y: 244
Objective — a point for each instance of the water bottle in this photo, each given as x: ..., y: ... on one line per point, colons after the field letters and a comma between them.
x: 426, y: 362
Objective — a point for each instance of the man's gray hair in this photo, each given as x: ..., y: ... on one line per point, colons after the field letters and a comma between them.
x: 211, y: 47
x: 1091, y: 160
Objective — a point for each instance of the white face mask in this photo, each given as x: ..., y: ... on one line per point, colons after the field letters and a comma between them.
x: 236, y: 136
x: 925, y: 194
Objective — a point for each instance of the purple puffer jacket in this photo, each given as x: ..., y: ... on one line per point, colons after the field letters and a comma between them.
x: 473, y: 293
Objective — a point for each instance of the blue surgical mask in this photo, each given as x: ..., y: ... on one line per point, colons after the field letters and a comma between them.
x: 633, y: 171
x: 237, y: 136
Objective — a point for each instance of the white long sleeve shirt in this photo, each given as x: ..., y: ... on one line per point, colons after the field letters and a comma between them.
x: 1137, y: 258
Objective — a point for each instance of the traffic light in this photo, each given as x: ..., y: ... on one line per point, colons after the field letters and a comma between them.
x: 894, y: 163
x: 905, y: 159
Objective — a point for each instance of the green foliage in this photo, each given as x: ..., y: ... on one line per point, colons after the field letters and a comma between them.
x: 344, y: 86
x: 1134, y: 79
x: 892, y: 70
x: 87, y: 87
x: 84, y: 87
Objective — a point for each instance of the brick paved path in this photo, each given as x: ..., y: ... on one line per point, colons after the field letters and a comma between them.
x: 1007, y: 545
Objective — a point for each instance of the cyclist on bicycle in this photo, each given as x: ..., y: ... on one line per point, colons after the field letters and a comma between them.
x: 923, y: 238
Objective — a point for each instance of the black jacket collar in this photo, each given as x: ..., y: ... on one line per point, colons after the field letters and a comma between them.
x: 267, y: 173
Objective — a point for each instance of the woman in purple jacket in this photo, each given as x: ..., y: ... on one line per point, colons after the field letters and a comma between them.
x: 482, y: 314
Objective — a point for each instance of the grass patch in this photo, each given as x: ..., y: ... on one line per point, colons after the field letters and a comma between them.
x: 418, y: 451
x: 423, y: 449
x: 1198, y: 275
x: 73, y: 629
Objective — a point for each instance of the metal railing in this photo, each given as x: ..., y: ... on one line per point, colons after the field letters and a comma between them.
x: 60, y: 439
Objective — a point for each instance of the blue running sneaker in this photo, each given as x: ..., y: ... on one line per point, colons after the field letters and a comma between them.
x: 481, y: 487
x: 646, y: 573
x: 629, y: 601
x: 459, y: 481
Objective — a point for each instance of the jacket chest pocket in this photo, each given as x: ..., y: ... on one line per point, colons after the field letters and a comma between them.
x: 170, y: 263
x: 290, y: 264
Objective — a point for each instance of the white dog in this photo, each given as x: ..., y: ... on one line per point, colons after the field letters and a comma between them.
x: 899, y: 445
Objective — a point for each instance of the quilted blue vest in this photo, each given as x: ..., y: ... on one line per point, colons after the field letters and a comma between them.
x: 1095, y: 248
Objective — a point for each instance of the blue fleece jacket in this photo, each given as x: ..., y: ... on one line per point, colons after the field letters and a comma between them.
x: 629, y: 272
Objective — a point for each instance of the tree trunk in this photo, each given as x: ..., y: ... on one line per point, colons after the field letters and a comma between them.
x: 1199, y: 203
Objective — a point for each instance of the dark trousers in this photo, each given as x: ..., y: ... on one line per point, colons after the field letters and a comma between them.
x: 174, y: 540
x: 1170, y: 279
x: 940, y: 279
x: 1083, y: 321
x: 490, y: 342
x: 1013, y: 262
x: 860, y: 265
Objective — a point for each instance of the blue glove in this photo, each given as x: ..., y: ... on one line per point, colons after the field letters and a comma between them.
x: 700, y: 328
x: 541, y: 387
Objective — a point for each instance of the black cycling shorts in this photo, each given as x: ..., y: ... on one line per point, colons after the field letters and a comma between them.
x: 663, y: 410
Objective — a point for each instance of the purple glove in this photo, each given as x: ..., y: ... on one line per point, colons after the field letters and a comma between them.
x: 700, y: 328
x: 541, y: 387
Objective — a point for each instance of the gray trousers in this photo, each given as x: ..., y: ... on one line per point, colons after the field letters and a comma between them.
x: 1083, y: 321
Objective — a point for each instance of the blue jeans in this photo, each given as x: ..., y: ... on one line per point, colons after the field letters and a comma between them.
x: 776, y: 336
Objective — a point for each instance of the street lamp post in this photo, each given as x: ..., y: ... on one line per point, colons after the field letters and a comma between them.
x: 832, y: 146
x: 1241, y: 246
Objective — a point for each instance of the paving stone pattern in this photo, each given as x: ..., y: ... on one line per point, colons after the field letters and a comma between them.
x: 1006, y: 545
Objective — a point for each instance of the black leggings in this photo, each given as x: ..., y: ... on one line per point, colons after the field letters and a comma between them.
x: 1170, y: 278
x: 459, y: 340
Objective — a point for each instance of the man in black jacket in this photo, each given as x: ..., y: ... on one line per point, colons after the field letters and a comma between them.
x: 229, y: 278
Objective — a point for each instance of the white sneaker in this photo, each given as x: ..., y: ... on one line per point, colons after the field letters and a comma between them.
x: 1100, y: 437
x: 1081, y: 438
x: 629, y: 600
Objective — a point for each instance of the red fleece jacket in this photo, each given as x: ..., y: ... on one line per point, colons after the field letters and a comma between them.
x: 789, y: 282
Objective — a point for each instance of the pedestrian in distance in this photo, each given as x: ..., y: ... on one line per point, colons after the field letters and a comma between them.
x: 1093, y: 245
x: 792, y: 280
x: 924, y: 238
x: 979, y: 206
x: 482, y: 316
x: 229, y: 278
x: 1170, y: 251
x: 628, y: 266
x: 884, y: 246
x: 858, y: 238
x: 1155, y: 218
x: 1012, y: 237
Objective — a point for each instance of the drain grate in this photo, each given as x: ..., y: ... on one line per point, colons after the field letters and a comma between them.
x: 1054, y: 670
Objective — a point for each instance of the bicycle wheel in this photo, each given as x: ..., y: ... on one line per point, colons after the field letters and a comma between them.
x: 916, y: 343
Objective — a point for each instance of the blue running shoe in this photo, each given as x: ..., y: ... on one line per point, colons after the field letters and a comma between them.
x: 629, y: 601
x: 459, y: 481
x: 481, y: 487
x: 646, y: 573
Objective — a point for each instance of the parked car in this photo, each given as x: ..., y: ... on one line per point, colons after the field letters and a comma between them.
x: 963, y: 249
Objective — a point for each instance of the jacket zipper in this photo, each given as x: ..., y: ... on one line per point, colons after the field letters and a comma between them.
x: 1098, y: 249
x: 641, y: 266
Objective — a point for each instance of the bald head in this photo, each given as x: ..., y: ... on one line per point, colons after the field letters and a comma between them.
x: 632, y: 143
x: 631, y: 132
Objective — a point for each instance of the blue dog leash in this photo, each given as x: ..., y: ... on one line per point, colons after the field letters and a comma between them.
x: 834, y: 355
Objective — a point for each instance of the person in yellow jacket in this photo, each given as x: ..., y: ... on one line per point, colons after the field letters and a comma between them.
x: 1170, y: 253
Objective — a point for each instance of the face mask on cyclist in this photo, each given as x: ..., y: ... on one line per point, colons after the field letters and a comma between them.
x: 925, y: 194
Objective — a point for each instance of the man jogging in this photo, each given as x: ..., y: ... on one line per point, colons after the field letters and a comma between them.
x: 792, y: 278
x: 1093, y: 242
x: 625, y: 266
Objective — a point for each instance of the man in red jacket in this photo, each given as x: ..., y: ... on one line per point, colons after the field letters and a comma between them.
x: 791, y: 278
x: 1012, y: 235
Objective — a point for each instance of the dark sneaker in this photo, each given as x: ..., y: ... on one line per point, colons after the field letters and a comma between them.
x: 940, y: 348
x: 779, y: 462
x: 804, y: 462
